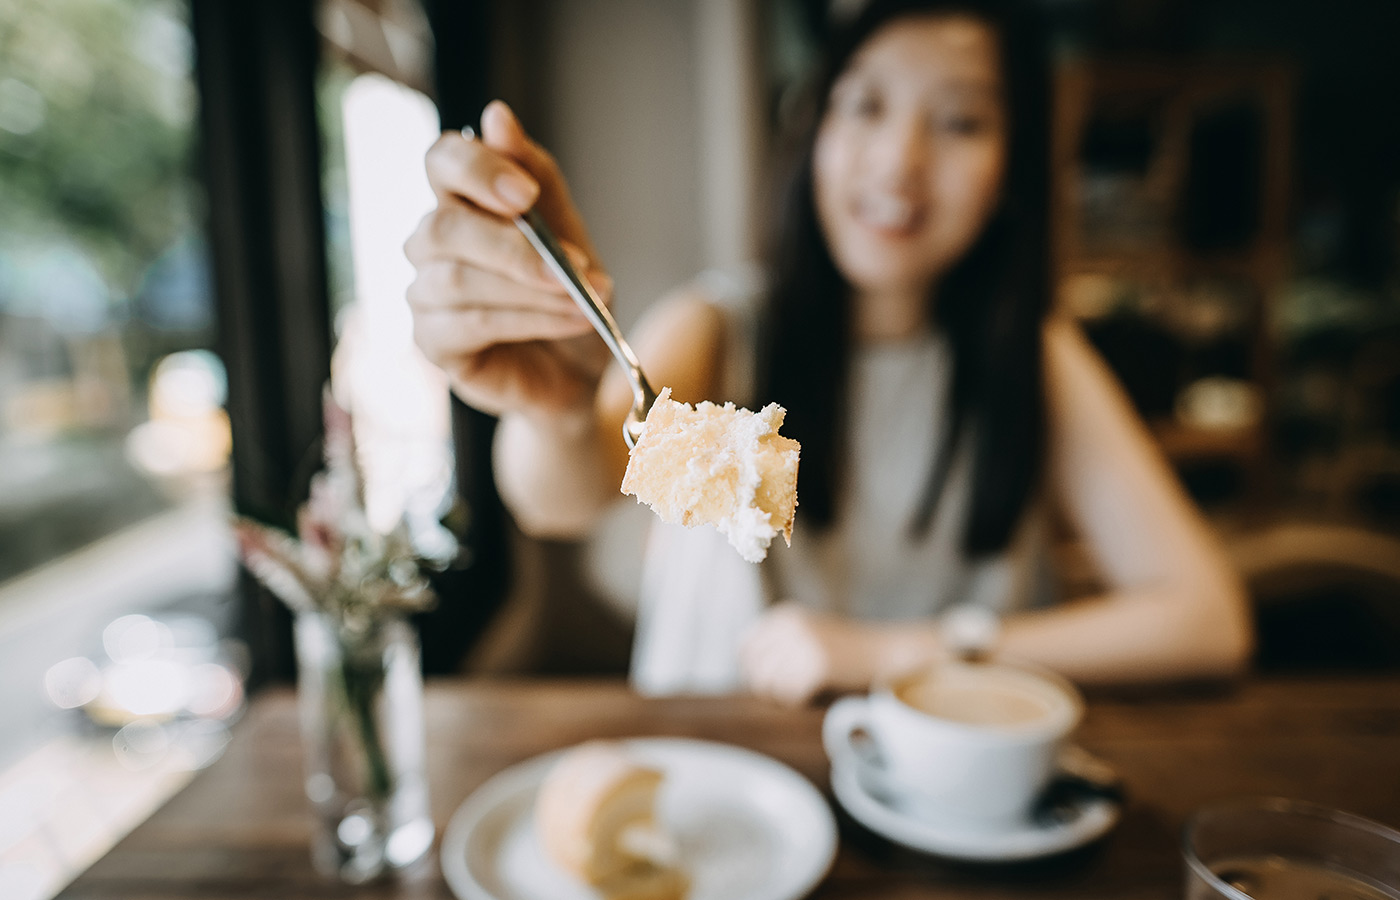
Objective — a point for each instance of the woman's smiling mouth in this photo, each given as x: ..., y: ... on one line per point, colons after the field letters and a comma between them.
x: 889, y: 214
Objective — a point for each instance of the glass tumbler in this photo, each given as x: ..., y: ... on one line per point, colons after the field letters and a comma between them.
x: 360, y: 694
x: 1275, y: 849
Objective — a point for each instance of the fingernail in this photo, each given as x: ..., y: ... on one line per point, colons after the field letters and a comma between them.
x: 516, y: 190
x: 500, y: 107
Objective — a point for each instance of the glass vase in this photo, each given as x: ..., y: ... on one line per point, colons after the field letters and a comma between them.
x: 360, y: 694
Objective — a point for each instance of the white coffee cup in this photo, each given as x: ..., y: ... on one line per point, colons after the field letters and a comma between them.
x: 970, y: 744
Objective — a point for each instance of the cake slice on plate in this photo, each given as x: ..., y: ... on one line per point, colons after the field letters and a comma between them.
x: 595, y: 815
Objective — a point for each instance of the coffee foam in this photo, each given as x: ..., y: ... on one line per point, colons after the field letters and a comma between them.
x: 986, y: 696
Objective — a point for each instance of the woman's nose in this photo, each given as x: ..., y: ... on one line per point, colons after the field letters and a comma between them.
x: 904, y: 148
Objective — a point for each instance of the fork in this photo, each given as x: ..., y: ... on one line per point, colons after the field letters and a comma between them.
x: 542, y: 238
x: 544, y: 241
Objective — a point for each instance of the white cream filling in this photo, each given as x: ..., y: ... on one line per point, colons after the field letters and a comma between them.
x: 733, y: 453
x: 749, y: 529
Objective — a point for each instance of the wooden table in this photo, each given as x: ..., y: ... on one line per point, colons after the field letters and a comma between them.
x: 241, y: 829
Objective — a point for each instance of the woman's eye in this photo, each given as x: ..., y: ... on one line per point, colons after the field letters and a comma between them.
x: 860, y: 104
x: 963, y: 125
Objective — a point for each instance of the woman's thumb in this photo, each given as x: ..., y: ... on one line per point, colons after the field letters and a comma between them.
x: 503, y: 133
x: 501, y: 130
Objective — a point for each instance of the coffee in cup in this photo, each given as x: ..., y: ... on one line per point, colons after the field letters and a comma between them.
x: 970, y: 743
x: 989, y: 700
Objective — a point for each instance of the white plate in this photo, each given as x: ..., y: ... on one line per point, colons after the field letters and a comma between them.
x: 1088, y: 819
x: 748, y: 827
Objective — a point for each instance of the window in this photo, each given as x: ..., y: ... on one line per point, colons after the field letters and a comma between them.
x: 110, y: 404
x: 376, y: 132
x: 114, y: 443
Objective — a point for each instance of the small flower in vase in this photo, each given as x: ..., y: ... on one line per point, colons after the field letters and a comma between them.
x: 351, y: 588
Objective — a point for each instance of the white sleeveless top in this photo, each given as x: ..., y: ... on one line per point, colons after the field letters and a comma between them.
x: 698, y: 596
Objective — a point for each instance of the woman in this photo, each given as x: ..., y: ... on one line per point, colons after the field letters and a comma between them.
x: 942, y: 413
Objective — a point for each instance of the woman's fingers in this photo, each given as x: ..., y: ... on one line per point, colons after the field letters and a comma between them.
x: 456, y: 232
x: 505, y: 173
x: 461, y: 167
x: 786, y: 678
x: 481, y: 185
x: 486, y: 307
x: 783, y: 658
x: 501, y: 131
x: 446, y: 333
x: 518, y: 376
x: 442, y: 284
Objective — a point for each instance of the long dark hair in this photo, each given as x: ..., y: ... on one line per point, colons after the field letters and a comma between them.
x: 991, y: 305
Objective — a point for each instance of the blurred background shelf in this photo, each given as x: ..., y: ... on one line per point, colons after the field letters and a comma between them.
x: 1171, y: 191
x: 1189, y: 442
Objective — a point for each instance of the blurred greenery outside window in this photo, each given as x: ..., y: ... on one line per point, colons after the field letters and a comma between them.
x: 332, y: 80
x: 110, y: 401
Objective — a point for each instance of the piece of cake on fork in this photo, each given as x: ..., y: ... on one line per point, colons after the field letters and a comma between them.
x: 720, y: 465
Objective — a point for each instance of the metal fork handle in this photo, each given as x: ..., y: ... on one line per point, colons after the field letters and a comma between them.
x: 542, y: 238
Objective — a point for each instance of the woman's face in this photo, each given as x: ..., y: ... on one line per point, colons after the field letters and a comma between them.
x: 909, y: 157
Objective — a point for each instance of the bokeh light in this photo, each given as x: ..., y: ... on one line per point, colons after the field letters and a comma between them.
x: 140, y: 744
x: 135, y: 637
x: 148, y: 687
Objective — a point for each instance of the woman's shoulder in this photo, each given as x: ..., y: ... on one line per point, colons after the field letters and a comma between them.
x: 697, y: 338
x: 708, y: 325
x: 1063, y: 335
x: 1072, y: 362
x: 1074, y: 368
x: 735, y: 290
x: 714, y: 296
x: 1093, y: 422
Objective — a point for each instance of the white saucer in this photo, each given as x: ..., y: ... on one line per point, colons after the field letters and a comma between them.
x: 748, y: 827
x: 1086, y: 819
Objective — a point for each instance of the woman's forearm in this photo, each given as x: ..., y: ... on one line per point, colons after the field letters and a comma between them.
x: 1174, y: 607
x: 1140, y: 634
x: 1136, y: 635
x: 553, y: 476
x: 1170, y: 632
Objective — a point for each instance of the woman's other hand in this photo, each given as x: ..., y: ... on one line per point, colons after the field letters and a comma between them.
x: 792, y: 654
x: 485, y: 308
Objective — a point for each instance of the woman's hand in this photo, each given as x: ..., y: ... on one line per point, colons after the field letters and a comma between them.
x: 485, y: 308
x: 792, y: 654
